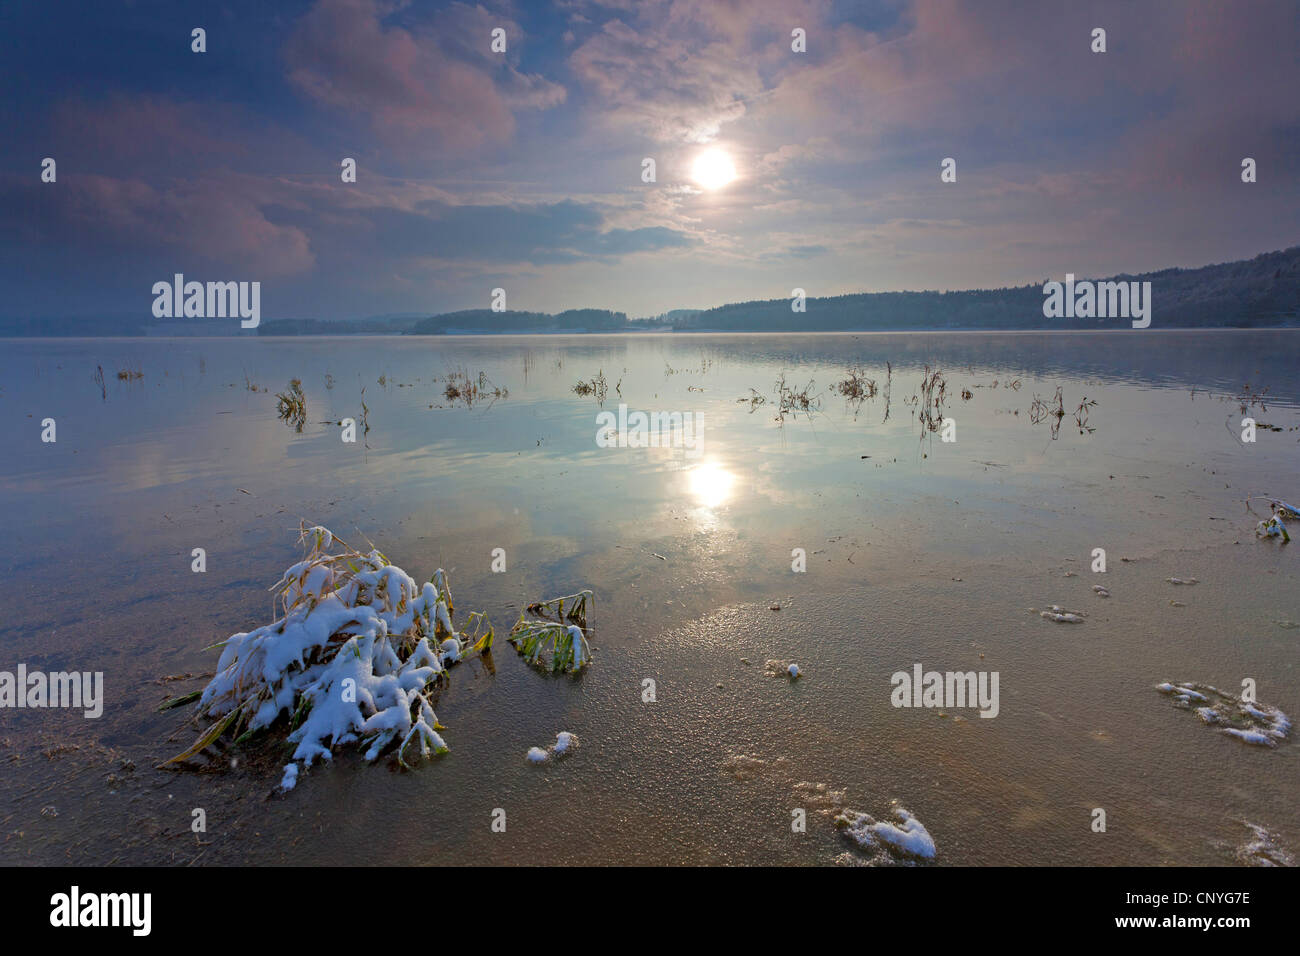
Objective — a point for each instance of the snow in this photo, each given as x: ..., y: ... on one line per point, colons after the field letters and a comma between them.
x: 352, y: 660
x: 909, y: 840
x: 1273, y: 528
x: 290, y: 779
x: 1264, y: 850
x: 1251, y: 722
x: 565, y: 744
x: 1061, y: 616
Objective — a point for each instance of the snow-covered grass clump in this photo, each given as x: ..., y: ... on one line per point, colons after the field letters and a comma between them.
x: 554, y: 630
x: 1248, y: 721
x: 353, y: 659
x: 1272, y: 528
x: 907, y: 840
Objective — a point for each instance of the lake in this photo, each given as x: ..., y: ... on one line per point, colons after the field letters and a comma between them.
x: 915, y: 550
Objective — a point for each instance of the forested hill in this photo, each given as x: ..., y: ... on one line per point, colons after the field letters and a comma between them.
x: 1258, y: 292
x: 1262, y: 292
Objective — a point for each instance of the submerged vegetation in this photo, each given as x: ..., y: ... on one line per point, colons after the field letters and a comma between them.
x: 928, y: 402
x: 934, y: 392
x: 292, y: 405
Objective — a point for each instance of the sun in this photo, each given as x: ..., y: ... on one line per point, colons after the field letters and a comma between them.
x: 713, y: 169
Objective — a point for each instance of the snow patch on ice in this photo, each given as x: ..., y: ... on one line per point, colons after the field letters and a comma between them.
x: 905, y: 841
x: 565, y: 744
x: 1264, y: 849
x: 1249, y: 721
x: 1060, y: 615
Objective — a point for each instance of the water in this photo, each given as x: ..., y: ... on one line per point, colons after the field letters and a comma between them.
x: 918, y: 551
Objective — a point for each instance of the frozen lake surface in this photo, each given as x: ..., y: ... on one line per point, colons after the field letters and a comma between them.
x: 918, y: 551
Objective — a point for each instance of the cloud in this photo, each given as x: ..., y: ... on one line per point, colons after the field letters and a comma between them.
x: 508, y: 234
x: 156, y: 228
x: 437, y: 81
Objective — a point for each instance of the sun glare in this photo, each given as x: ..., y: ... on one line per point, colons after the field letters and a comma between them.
x: 713, y: 169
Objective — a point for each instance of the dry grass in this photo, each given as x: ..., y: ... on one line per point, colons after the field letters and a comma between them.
x: 856, y: 387
x: 461, y: 387
x: 792, y: 400
x: 597, y: 387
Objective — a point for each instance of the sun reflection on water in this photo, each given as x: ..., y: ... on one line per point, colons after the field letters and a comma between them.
x: 710, y: 484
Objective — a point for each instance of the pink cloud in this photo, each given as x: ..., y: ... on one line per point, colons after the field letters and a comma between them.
x: 432, y: 81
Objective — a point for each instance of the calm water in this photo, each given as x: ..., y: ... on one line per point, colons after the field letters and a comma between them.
x: 918, y: 551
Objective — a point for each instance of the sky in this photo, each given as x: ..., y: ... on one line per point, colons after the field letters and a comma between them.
x: 523, y: 170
